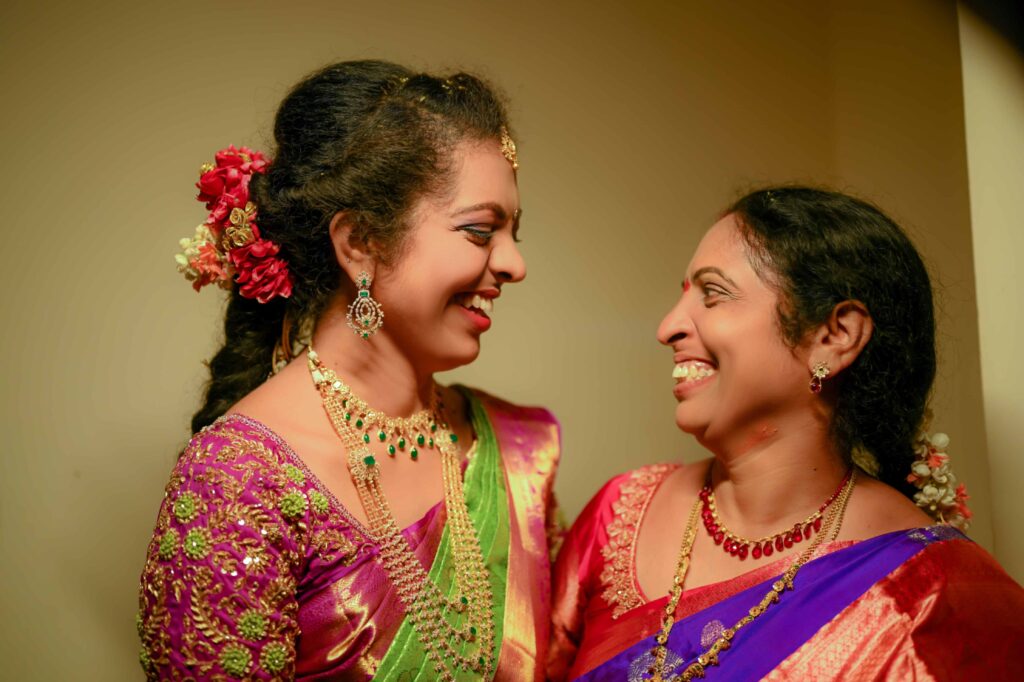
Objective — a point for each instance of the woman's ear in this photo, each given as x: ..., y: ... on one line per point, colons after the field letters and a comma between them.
x: 354, y: 258
x: 843, y: 336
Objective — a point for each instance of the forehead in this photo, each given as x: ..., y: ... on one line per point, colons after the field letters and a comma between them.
x: 722, y: 247
x: 482, y: 174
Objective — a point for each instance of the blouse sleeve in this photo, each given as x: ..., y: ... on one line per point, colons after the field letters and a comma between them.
x: 568, y: 604
x: 575, y: 580
x: 217, y: 596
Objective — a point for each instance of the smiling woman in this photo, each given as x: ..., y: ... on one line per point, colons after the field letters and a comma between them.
x: 347, y: 518
x: 803, y: 352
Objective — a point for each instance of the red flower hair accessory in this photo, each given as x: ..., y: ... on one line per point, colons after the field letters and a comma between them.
x: 228, y: 246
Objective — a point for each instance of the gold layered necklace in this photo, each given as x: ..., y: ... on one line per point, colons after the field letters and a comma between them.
x: 456, y: 632
x: 830, y: 528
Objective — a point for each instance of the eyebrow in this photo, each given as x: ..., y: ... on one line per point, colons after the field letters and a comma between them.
x: 713, y: 271
x: 496, y: 208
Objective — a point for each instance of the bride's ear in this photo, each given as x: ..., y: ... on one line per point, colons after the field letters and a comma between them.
x: 353, y: 257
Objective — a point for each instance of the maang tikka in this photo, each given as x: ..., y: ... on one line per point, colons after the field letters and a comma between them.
x: 365, y: 316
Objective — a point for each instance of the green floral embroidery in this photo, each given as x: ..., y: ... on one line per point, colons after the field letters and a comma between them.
x: 144, y: 660
x: 185, y: 507
x: 295, y: 474
x: 293, y: 504
x: 252, y: 625
x: 274, y: 658
x: 169, y: 544
x: 235, y: 659
x: 319, y: 501
x: 197, y: 543
x: 138, y: 623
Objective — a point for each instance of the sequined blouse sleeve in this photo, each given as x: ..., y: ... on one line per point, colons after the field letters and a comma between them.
x: 217, y: 597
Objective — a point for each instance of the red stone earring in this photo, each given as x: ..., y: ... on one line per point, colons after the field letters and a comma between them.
x: 819, y: 373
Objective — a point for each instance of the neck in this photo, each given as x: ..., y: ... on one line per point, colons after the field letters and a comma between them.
x: 777, y: 481
x: 375, y: 368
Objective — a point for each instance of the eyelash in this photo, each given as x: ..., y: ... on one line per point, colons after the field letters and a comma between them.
x: 709, y: 291
x: 479, y: 237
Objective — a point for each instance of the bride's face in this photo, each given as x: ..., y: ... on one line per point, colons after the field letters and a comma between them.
x: 735, y: 377
x: 439, y: 295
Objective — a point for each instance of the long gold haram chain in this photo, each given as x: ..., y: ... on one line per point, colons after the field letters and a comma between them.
x: 833, y: 520
x: 424, y: 602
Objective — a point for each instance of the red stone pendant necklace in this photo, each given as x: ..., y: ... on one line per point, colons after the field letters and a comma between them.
x: 740, y: 547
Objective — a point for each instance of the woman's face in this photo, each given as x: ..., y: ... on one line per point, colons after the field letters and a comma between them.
x: 439, y: 294
x: 736, y: 380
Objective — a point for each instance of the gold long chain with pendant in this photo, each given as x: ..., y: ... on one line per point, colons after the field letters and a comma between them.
x: 831, y: 525
x: 427, y: 607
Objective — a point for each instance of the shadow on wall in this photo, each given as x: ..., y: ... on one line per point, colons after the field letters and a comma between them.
x: 1006, y: 17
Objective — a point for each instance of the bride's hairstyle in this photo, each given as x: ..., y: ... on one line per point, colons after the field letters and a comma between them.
x: 365, y: 137
x: 819, y: 248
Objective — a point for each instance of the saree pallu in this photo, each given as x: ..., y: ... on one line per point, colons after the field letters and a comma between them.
x: 920, y: 604
x: 255, y: 570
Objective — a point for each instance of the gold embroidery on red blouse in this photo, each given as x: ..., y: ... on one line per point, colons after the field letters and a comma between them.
x: 619, y: 554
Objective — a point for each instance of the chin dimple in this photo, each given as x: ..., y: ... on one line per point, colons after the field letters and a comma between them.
x: 692, y: 370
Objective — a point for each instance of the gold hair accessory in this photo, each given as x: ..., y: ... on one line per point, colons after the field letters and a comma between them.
x: 508, y: 148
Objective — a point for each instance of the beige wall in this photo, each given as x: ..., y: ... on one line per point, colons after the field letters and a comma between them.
x: 993, y: 77
x: 636, y: 124
x: 899, y: 139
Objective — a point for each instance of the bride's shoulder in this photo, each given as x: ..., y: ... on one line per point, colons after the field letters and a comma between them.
x: 497, y: 406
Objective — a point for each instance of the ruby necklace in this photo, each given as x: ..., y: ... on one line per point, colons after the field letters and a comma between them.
x: 740, y: 547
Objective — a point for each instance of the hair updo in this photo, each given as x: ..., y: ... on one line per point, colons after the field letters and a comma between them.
x: 365, y: 137
x: 820, y: 248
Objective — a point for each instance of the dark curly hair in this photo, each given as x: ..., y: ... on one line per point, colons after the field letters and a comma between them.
x: 819, y: 248
x: 366, y: 137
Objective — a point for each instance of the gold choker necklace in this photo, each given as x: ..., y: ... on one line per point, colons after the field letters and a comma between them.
x: 400, y: 433
x: 468, y: 643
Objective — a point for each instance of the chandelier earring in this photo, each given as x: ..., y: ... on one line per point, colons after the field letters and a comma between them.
x: 365, y: 316
x: 819, y: 373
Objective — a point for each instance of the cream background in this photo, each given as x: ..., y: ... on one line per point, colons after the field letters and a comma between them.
x: 993, y: 76
x: 636, y: 124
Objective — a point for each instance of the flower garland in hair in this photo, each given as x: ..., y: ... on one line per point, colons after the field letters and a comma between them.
x: 939, y: 494
x: 228, y: 245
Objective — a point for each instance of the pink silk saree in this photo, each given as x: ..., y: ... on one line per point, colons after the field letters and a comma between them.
x: 920, y: 604
x: 256, y: 572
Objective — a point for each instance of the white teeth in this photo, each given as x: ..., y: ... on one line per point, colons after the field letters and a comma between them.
x: 692, y: 371
x: 479, y: 302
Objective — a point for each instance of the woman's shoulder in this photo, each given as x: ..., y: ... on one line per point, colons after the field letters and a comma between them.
x: 953, y: 562
x: 237, y: 464
x: 956, y: 602
x: 239, y: 447
x: 623, y: 497
x: 499, y: 406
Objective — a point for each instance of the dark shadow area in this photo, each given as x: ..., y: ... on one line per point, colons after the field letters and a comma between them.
x: 1006, y: 17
